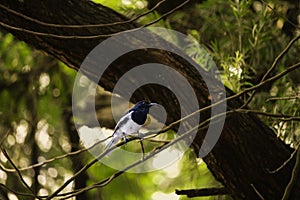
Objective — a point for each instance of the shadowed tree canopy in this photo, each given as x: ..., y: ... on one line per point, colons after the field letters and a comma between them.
x: 68, y: 30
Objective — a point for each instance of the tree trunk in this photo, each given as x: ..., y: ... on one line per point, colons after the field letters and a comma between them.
x: 247, y: 148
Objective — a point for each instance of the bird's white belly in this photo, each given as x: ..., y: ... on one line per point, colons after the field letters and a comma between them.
x: 130, y: 128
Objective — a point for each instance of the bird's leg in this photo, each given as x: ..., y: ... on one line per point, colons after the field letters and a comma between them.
x: 140, y: 136
x: 143, y: 150
x: 140, y: 140
x: 124, y: 137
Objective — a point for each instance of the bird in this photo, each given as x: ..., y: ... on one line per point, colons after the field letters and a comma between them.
x: 130, y: 122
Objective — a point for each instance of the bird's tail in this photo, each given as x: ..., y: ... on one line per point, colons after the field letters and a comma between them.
x: 114, y: 140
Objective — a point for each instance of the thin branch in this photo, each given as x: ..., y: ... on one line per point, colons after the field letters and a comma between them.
x: 108, y: 180
x: 294, y: 177
x: 156, y: 140
x: 91, y: 36
x: 150, y: 155
x: 37, y: 21
x: 291, y: 68
x: 277, y: 59
x: 18, y: 172
x: 203, y: 192
x: 84, y: 168
x: 4, y: 137
x: 12, y: 170
x: 297, y: 96
x: 274, y: 78
x: 282, y: 117
x: 257, y: 192
x: 15, y: 192
x: 296, y: 26
x: 285, y: 162
x: 97, y: 185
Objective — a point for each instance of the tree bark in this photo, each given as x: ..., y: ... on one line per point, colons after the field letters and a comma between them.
x: 247, y: 148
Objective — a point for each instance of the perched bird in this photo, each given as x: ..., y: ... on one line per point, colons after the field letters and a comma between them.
x: 131, y: 122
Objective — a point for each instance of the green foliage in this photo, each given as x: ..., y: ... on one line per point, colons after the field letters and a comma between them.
x: 236, y: 49
x: 244, y: 38
x: 116, y: 4
x: 128, y: 8
x: 34, y: 90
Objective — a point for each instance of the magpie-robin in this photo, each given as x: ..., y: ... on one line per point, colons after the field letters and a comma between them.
x: 131, y: 122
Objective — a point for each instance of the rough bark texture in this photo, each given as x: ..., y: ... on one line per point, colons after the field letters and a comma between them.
x: 247, y: 148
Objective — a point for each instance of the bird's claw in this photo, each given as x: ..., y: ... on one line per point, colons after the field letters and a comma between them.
x: 124, y: 138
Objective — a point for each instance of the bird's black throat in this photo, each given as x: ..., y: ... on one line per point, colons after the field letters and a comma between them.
x: 140, y: 116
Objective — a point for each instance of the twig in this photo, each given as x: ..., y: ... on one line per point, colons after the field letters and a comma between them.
x: 3, y: 137
x: 257, y: 192
x: 37, y: 21
x: 112, y: 177
x: 283, y: 98
x: 84, y: 168
x: 15, y: 192
x: 285, y: 162
x: 18, y: 172
x: 91, y: 36
x: 108, y: 180
x: 202, y: 192
x: 274, y: 78
x: 157, y: 140
x: 277, y: 59
x: 52, y: 159
x: 282, y: 117
x: 294, y: 177
x: 286, y: 19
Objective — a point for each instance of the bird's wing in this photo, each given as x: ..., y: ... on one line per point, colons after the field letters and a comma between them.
x: 122, y: 121
x: 114, y: 140
x: 117, y: 135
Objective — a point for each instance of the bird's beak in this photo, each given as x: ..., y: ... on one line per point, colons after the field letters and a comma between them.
x: 152, y: 104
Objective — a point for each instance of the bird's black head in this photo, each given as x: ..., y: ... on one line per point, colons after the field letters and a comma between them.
x: 140, y: 111
x: 142, y: 105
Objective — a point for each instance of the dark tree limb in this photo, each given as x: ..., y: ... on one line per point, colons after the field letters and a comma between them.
x: 202, y: 192
x: 247, y: 149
